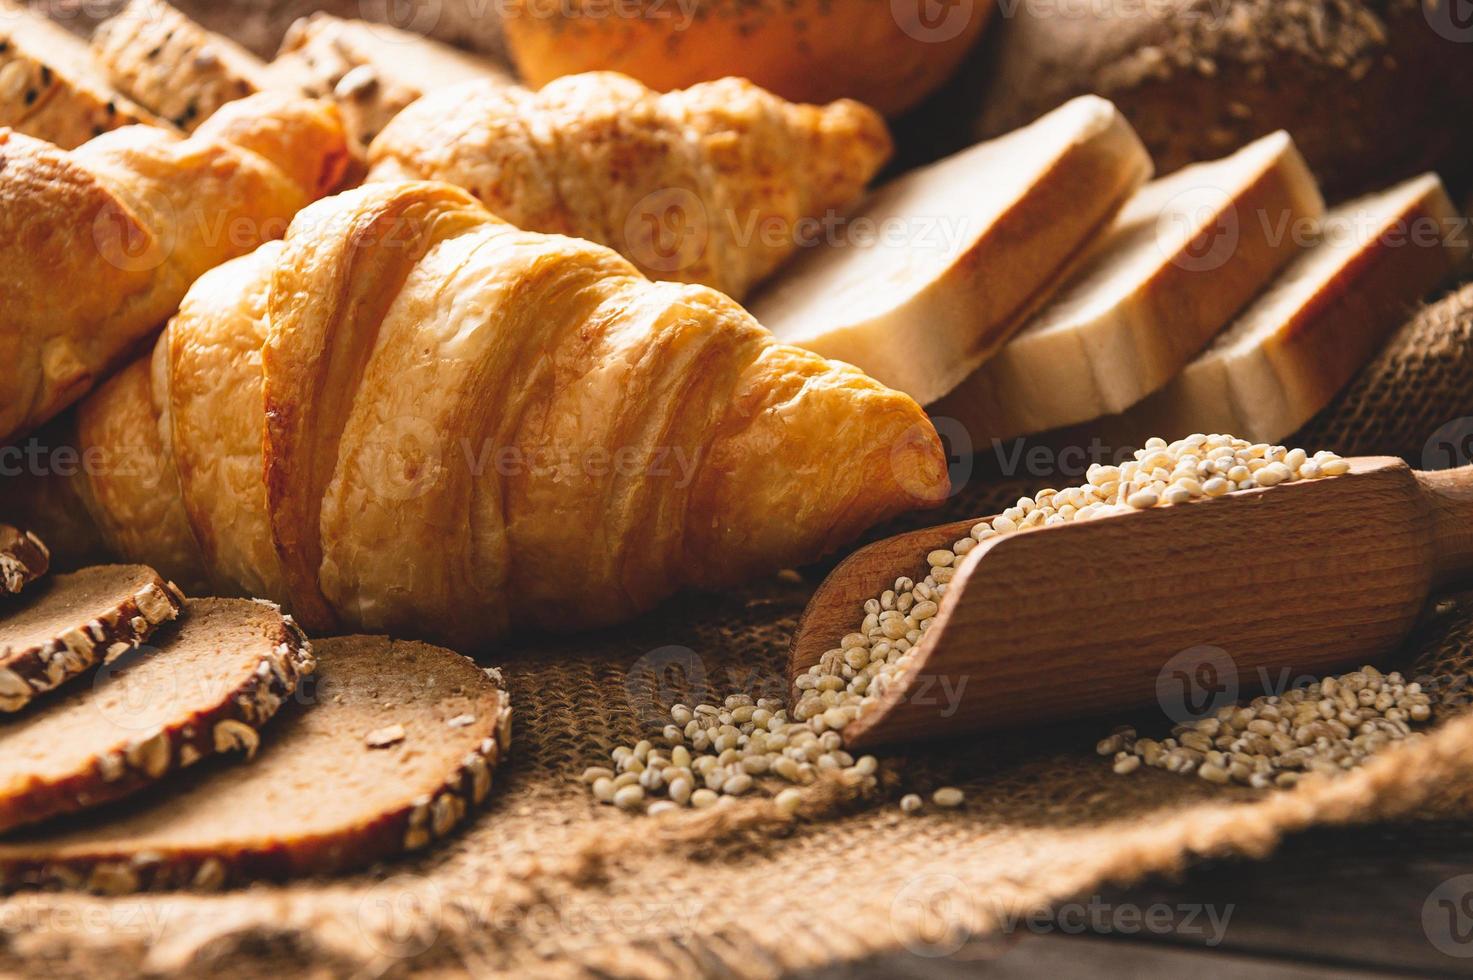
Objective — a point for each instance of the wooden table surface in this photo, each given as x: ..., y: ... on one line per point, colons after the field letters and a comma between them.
x: 1329, y: 903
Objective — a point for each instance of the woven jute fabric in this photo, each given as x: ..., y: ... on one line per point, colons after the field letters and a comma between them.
x: 547, y: 882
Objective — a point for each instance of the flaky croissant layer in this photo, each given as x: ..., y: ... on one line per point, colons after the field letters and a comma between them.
x: 413, y: 417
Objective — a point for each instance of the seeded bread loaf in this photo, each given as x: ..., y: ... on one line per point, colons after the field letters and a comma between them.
x: 372, y: 70
x: 23, y: 559
x: 65, y: 624
x: 1186, y: 255
x: 387, y: 748
x: 49, y: 90
x: 886, y: 54
x: 1289, y: 353
x: 1371, y: 90
x: 937, y: 270
x: 200, y: 687
x: 170, y: 64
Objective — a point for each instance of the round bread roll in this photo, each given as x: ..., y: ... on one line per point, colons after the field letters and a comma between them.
x: 888, y: 54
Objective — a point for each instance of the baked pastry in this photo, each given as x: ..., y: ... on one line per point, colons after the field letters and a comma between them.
x: 62, y: 626
x: 97, y: 245
x: 886, y: 54
x: 1301, y: 341
x: 386, y: 748
x: 48, y: 87
x: 414, y: 418
x: 23, y: 559
x: 984, y: 237
x: 200, y: 688
x: 1186, y: 254
x: 172, y: 65
x: 716, y: 184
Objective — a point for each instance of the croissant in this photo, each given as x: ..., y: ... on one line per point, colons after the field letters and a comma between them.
x: 98, y: 244
x: 716, y: 184
x: 412, y: 417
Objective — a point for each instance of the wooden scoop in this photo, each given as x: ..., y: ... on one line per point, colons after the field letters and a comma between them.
x: 1251, y: 589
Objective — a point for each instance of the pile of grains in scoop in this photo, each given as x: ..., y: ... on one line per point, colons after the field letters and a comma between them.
x: 1328, y: 726
x: 724, y: 750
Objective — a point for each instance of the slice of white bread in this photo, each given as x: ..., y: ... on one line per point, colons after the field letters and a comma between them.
x: 171, y: 65
x: 23, y: 559
x: 934, y: 272
x: 1186, y: 254
x: 1326, y: 316
x: 202, y: 686
x: 48, y: 87
x: 387, y: 748
x: 64, y: 624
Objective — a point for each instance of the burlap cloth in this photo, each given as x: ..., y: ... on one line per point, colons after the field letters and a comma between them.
x: 549, y: 883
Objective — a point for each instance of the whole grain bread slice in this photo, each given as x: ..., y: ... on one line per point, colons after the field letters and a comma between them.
x: 23, y: 559
x: 211, y: 681
x: 48, y: 87
x: 385, y: 749
x: 66, y: 623
x: 175, y: 67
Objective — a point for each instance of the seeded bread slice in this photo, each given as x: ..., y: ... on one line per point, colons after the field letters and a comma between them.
x: 371, y: 70
x: 1185, y: 256
x: 48, y: 88
x: 330, y: 790
x: 173, y: 66
x: 1289, y: 353
x: 205, y: 687
x: 23, y: 559
x: 67, y: 623
x: 938, y: 269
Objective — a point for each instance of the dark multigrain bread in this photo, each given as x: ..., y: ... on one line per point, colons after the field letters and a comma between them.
x: 1371, y: 90
x: 66, y: 623
x: 386, y: 749
x: 203, y: 686
x: 23, y: 559
x: 48, y: 88
x: 171, y: 65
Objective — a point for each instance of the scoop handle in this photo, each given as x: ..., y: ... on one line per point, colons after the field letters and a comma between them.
x: 1449, y: 493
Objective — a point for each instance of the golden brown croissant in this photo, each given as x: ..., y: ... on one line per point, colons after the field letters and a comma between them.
x: 98, y: 244
x: 464, y: 427
x: 715, y: 184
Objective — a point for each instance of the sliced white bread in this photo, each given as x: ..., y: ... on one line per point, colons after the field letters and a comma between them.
x: 937, y: 270
x: 1303, y: 339
x: 1186, y: 254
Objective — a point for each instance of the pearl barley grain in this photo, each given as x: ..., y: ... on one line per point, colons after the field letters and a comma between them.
x: 948, y: 796
x: 712, y: 752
